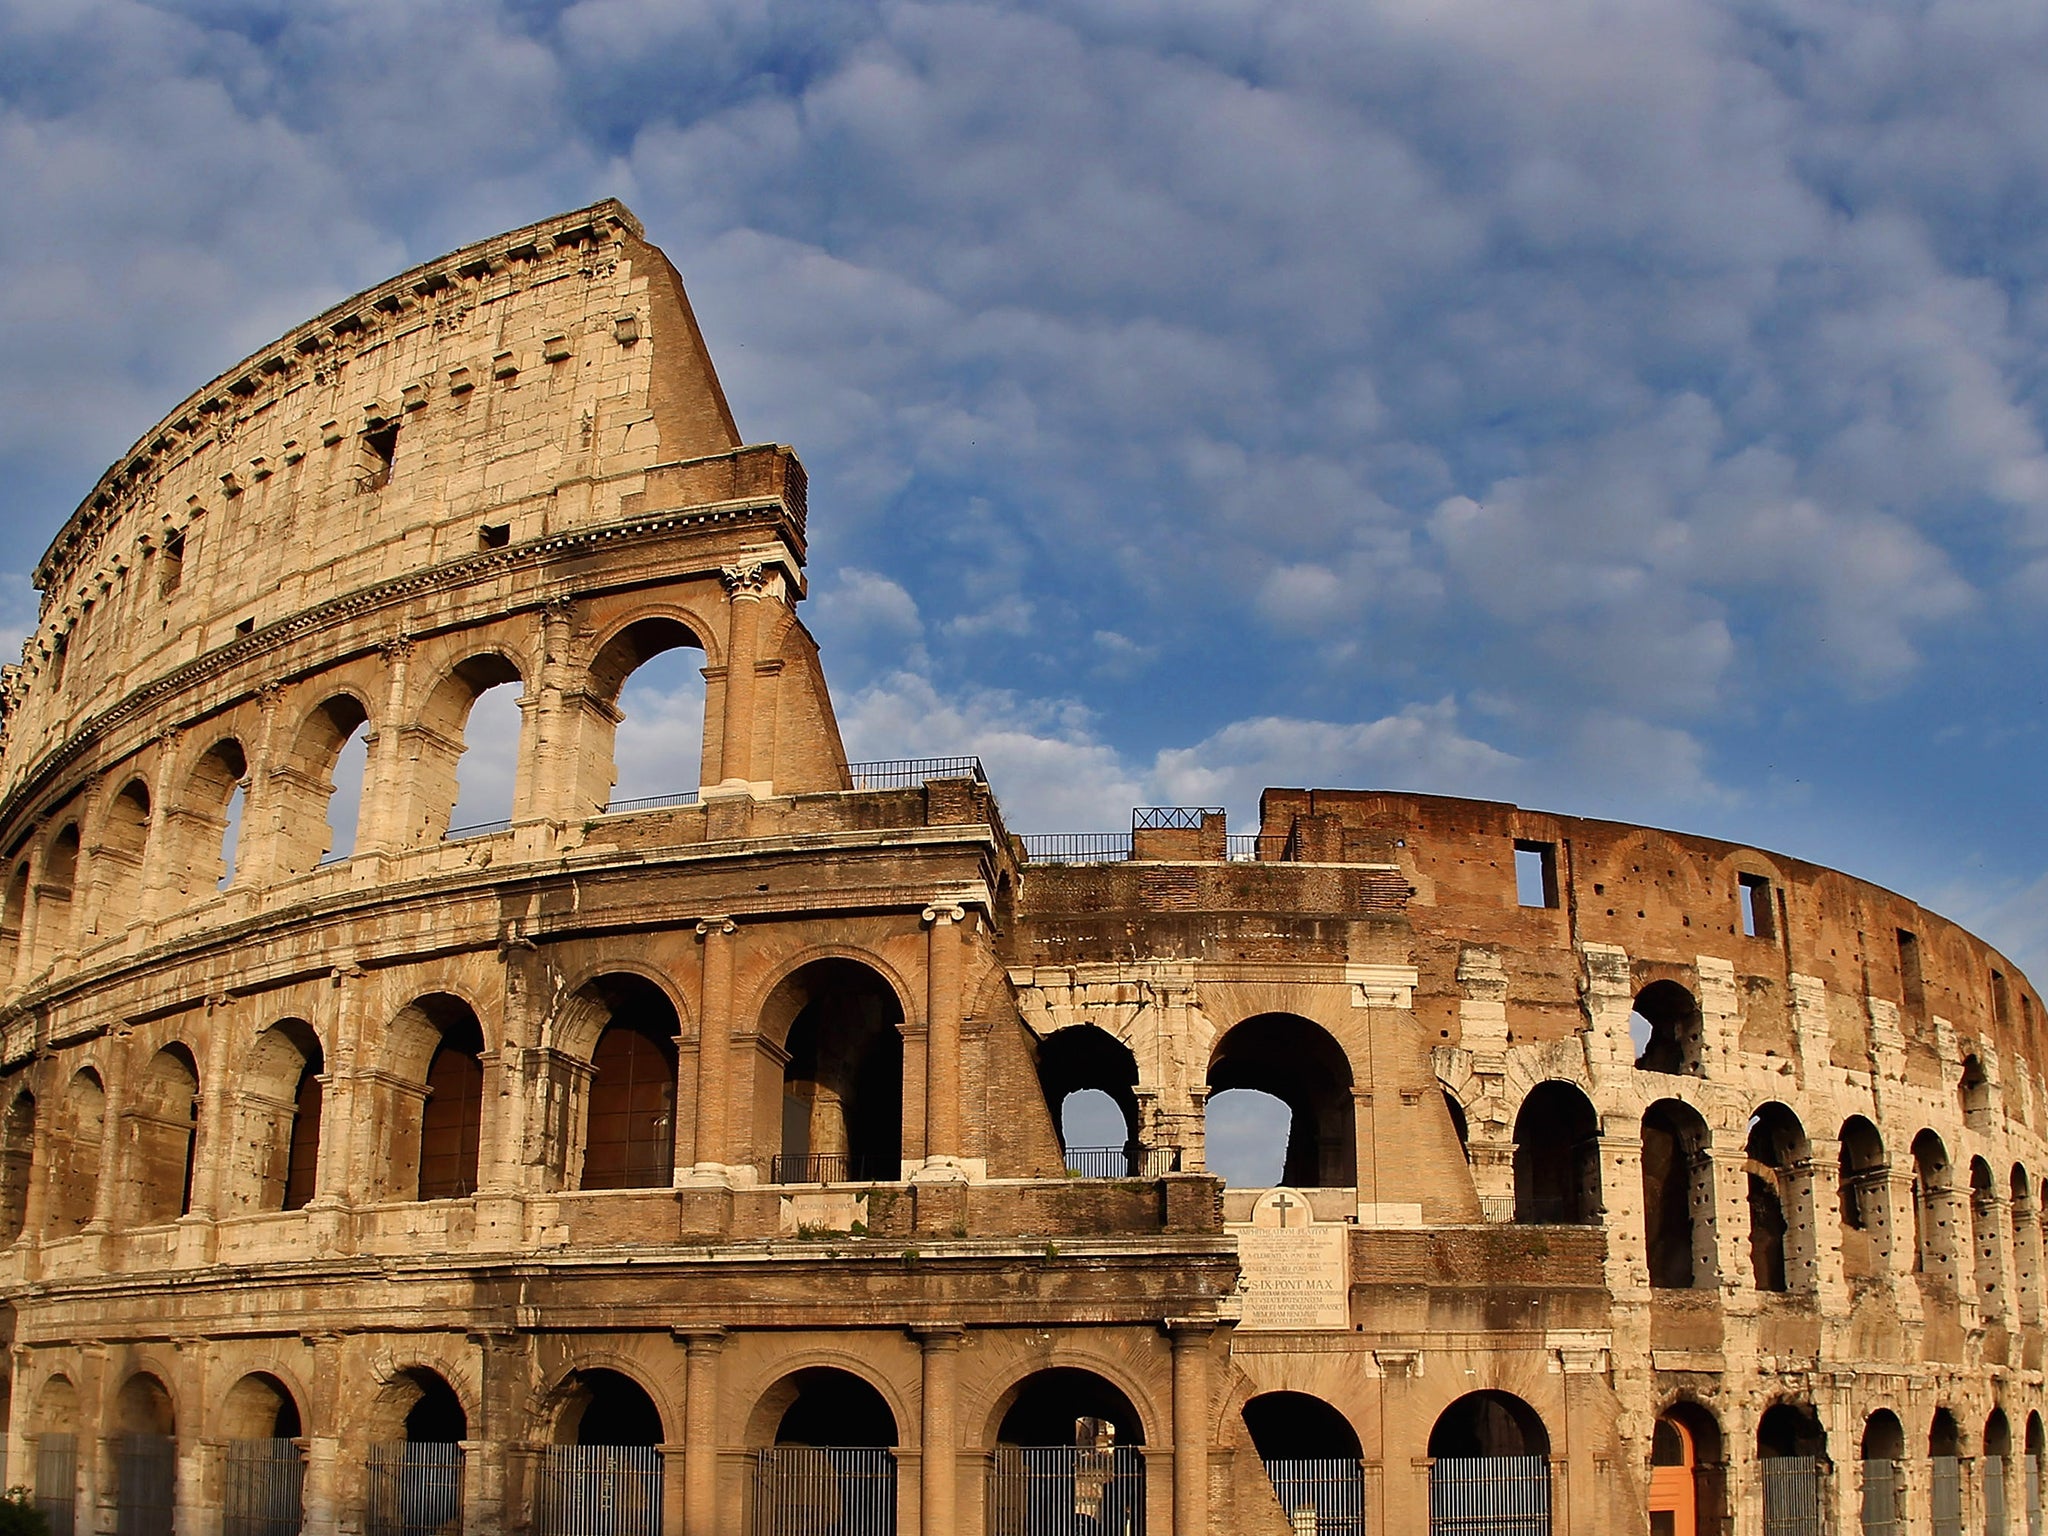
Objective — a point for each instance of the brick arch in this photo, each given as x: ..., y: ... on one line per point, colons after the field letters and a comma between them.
x: 578, y: 1019
x: 988, y: 1407
x: 544, y: 1404
x: 758, y: 1393
x: 707, y: 635
x: 388, y: 1370
x: 909, y: 1002
x: 259, y: 1362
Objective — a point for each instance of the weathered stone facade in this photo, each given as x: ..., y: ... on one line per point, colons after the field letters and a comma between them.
x: 727, y: 1127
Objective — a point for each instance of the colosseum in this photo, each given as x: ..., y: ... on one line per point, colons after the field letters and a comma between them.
x: 696, y: 1161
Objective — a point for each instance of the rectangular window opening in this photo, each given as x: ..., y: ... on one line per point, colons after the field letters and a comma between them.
x: 245, y: 626
x: 379, y: 451
x: 1912, y: 989
x: 494, y: 535
x: 2001, y: 1000
x: 172, y: 571
x: 1758, y: 920
x: 1535, y: 874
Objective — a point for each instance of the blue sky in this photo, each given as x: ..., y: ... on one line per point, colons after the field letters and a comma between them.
x: 1630, y: 409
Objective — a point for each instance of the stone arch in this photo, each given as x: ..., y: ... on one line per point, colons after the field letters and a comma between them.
x: 207, y: 818
x: 276, y: 1150
x: 1686, y: 1469
x: 1557, y: 1156
x: 442, y: 742
x: 163, y: 1119
x: 825, y: 1405
x: 123, y: 845
x: 1933, y: 1209
x: 17, y: 1157
x: 1973, y: 1093
x: 777, y: 1003
x: 1300, y: 1063
x: 1864, y: 1185
x: 403, y: 1381
x: 1666, y: 1026
x: 1039, y: 1399
x: 1789, y: 1428
x: 13, y: 917
x: 145, y: 1406
x: 57, y: 1409
x: 580, y: 1018
x: 1783, y: 1255
x: 608, y: 1401
x: 1678, y: 1196
x: 1084, y: 1058
x: 302, y: 785
x: 55, y: 892
x: 1312, y: 1456
x: 627, y: 1107
x: 831, y: 1032
x: 74, y: 1153
x: 259, y: 1406
x: 433, y: 1107
x: 417, y: 1423
x: 1488, y: 1423
x: 626, y: 648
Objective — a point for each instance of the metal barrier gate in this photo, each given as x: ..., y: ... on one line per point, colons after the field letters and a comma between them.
x: 1489, y: 1496
x: 2033, y: 1466
x: 1994, y: 1495
x: 261, y: 1494
x: 1945, y: 1495
x: 824, y: 1490
x: 598, y: 1490
x: 146, y: 1482
x: 1881, y: 1488
x: 1322, y: 1496
x: 415, y: 1489
x: 56, y: 1492
x: 1792, y: 1501
x: 1066, y: 1490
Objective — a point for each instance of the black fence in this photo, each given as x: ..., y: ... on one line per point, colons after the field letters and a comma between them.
x: 56, y: 1489
x: 1321, y: 1495
x: 598, y: 1490
x: 262, y: 1488
x: 651, y: 802
x: 1125, y: 1162
x: 824, y: 1490
x: 477, y: 829
x: 415, y: 1489
x: 1065, y: 1490
x: 1171, y: 818
x: 1489, y: 1496
x: 834, y: 1168
x: 1792, y: 1495
x: 1882, y: 1497
x: 146, y: 1483
x: 1076, y: 847
x: 913, y: 772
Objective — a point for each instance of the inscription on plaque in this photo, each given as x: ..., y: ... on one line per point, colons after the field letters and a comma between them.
x: 1296, y: 1270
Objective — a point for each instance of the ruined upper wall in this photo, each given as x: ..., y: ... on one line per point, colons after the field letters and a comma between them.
x: 512, y: 390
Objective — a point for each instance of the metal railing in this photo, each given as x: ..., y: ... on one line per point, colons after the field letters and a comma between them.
x: 261, y: 1494
x: 1320, y: 1496
x: 1881, y: 1488
x: 2033, y: 1493
x: 1129, y: 1161
x: 1171, y: 818
x: 1945, y: 1495
x: 824, y: 1490
x: 56, y: 1492
x: 914, y: 772
x: 1489, y: 1496
x: 1993, y: 1468
x: 146, y: 1480
x: 598, y: 1490
x: 477, y: 829
x: 1253, y: 848
x: 1065, y: 1490
x: 415, y: 1489
x: 1792, y: 1495
x: 1077, y: 847
x: 651, y: 802
x: 834, y: 1168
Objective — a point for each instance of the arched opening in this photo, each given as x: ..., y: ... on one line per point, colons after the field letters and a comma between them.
x: 263, y: 1474
x: 208, y: 819
x: 1312, y: 1458
x: 279, y: 1112
x: 145, y: 1458
x: 468, y: 765
x: 2036, y: 1453
x: 17, y: 1156
x: 54, y: 893
x: 831, y: 1465
x: 1678, y: 1197
x: 1780, y: 1180
x: 1945, y: 1474
x: 605, y: 1457
x: 1973, y: 1095
x: 2026, y: 1249
x: 630, y: 1141
x: 1865, y: 1195
x: 1685, y: 1472
x: 13, y: 914
x: 416, y: 1463
x: 1489, y: 1467
x: 1664, y: 1026
x: 1090, y: 1081
x: 1985, y: 1232
x: 842, y: 1075
x: 652, y: 673
x: 1933, y: 1214
x: 124, y: 840
x: 435, y: 1108
x: 75, y: 1155
x: 318, y: 786
x: 164, y: 1132
x: 1994, y: 1468
x: 1557, y: 1157
x: 1303, y: 1066
x: 55, y: 1444
x: 1883, y: 1474
x: 1792, y: 1458
x: 1067, y: 1452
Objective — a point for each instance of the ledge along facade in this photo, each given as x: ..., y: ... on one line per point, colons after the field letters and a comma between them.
x: 695, y: 1163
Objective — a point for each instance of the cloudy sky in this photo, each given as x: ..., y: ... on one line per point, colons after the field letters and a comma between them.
x: 1630, y: 409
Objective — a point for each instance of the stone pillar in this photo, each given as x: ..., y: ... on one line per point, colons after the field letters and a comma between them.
x: 106, y: 1193
x: 942, y: 1035
x: 745, y: 586
x: 379, y: 822
x: 700, y: 1432
x: 714, y: 1036
x: 323, y: 1497
x: 939, y: 1468
x: 1191, y: 1426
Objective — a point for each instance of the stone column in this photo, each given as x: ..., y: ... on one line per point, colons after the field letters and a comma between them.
x: 1190, y: 1426
x: 942, y: 1035
x: 700, y: 1431
x: 714, y: 1036
x: 380, y: 827
x: 745, y: 585
x: 938, y: 1459
x: 106, y: 1193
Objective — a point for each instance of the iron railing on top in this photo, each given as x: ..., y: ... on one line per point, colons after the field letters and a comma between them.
x: 824, y: 1490
x: 834, y: 1168
x: 1130, y: 1161
x: 598, y: 1490
x: 1489, y: 1496
x: 651, y: 802
x: 1077, y: 847
x: 415, y: 1489
x: 477, y: 829
x: 1171, y: 818
x: 1066, y: 1490
x: 914, y: 772
x: 1325, y: 1495
x: 262, y: 1489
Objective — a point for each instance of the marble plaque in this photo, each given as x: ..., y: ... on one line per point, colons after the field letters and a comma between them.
x: 1296, y: 1270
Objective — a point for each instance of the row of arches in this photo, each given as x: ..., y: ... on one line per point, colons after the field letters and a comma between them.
x: 185, y: 830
